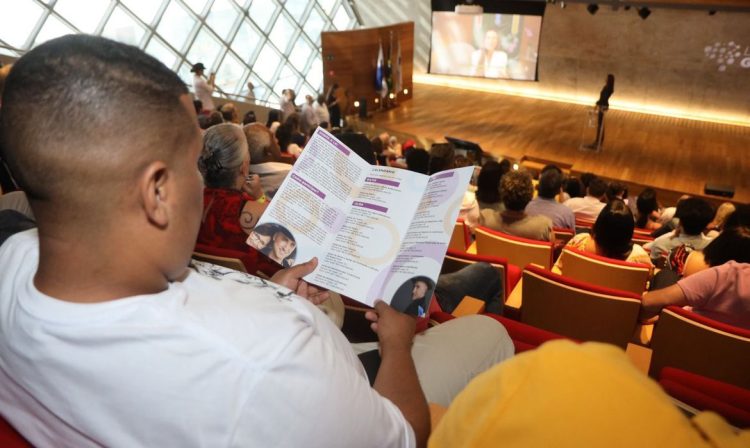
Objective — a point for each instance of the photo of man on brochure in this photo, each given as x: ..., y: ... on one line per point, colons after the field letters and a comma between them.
x: 413, y: 296
x: 274, y: 241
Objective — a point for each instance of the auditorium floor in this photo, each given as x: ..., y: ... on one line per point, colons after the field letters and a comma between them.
x: 669, y: 153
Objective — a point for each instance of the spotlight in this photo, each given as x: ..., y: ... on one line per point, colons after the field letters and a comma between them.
x: 377, y: 100
x: 406, y: 91
x: 391, y: 95
x: 592, y: 8
x: 644, y: 12
x: 515, y: 167
x: 356, y: 104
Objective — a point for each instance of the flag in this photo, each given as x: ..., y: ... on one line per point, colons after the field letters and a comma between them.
x: 380, y: 85
x: 398, y: 81
x: 389, y: 66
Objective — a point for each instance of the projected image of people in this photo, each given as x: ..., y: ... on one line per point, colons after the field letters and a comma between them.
x: 502, y: 46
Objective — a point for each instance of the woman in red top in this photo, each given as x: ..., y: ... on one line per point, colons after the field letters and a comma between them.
x: 232, y: 202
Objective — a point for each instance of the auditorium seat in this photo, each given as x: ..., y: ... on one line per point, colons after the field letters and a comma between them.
x: 460, y: 238
x: 563, y: 235
x: 9, y: 437
x: 686, y: 340
x: 705, y: 394
x: 456, y: 260
x: 251, y: 261
x: 577, y: 309
x: 603, y: 271
x: 525, y: 337
x: 518, y: 251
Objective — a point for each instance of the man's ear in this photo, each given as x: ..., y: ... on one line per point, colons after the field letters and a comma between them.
x: 154, y: 191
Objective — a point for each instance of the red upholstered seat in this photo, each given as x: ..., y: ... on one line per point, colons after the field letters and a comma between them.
x: 456, y: 260
x: 608, y: 272
x: 705, y: 394
x: 577, y: 309
x: 9, y: 437
x: 525, y: 337
x: 461, y: 237
x: 518, y: 251
x: 697, y: 344
x: 251, y: 261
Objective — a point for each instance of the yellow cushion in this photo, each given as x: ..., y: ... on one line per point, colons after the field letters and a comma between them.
x: 569, y: 395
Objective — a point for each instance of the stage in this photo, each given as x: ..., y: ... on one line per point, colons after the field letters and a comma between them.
x: 671, y: 154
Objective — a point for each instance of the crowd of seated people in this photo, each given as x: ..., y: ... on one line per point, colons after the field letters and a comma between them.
x: 136, y: 339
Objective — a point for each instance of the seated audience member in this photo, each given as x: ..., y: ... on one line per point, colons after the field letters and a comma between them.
x: 648, y: 211
x: 550, y: 186
x: 721, y: 292
x: 359, y: 143
x: 574, y: 395
x: 563, y: 196
x: 589, y: 206
x: 229, y: 113
x: 573, y: 188
x: 232, y: 204
x: 717, y: 224
x: 291, y: 140
x: 199, y: 356
x: 212, y: 119
x: 488, y: 190
x: 249, y: 118
x: 610, y: 236
x: 16, y: 200
x: 442, y: 157
x: 418, y: 159
x: 617, y: 190
x: 733, y: 243
x: 265, y: 158
x: 198, y: 104
x: 694, y: 215
x: 516, y: 191
x: 274, y: 120
x: 408, y: 145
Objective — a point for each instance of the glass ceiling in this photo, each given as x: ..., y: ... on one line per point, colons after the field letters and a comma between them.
x: 274, y: 44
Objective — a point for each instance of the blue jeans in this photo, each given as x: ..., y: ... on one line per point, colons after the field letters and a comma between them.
x: 479, y: 280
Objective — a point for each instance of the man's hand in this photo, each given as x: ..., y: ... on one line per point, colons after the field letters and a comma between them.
x: 395, y: 330
x: 252, y: 186
x: 292, y: 279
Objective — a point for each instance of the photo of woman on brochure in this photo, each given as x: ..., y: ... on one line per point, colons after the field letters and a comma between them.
x: 274, y: 241
x: 413, y: 296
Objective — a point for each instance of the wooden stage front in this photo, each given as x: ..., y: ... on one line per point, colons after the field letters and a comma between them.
x: 671, y: 154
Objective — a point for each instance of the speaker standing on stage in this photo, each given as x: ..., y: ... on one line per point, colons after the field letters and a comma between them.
x: 602, y: 105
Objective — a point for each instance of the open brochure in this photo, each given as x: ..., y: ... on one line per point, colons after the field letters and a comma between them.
x: 378, y: 232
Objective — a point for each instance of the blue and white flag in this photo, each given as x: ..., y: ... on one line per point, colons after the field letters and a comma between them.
x: 380, y: 83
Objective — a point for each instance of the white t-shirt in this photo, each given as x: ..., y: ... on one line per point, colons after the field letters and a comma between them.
x: 321, y: 112
x: 587, y: 207
x: 220, y: 359
x: 203, y: 92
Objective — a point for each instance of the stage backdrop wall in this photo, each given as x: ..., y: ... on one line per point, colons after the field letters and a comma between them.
x: 663, y: 61
x: 350, y: 59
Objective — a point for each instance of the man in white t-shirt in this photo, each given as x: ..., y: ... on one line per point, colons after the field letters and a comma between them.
x: 203, y: 87
x: 108, y: 339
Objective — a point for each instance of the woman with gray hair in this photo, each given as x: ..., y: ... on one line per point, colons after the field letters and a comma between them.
x: 232, y: 199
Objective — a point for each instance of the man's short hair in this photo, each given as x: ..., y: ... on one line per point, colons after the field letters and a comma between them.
x: 597, y: 187
x: 550, y: 184
x: 516, y: 190
x: 418, y: 160
x: 694, y: 215
x: 442, y: 157
x: 63, y: 109
x: 260, y: 143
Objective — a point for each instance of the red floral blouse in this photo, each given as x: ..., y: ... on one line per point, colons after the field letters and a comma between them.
x: 220, y: 226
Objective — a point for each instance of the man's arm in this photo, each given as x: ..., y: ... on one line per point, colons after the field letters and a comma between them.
x: 652, y: 302
x: 397, y: 376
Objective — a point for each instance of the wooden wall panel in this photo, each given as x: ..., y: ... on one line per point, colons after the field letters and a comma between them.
x: 350, y: 59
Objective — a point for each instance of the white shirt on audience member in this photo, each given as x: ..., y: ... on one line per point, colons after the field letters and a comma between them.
x: 219, y: 359
x: 587, y: 207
